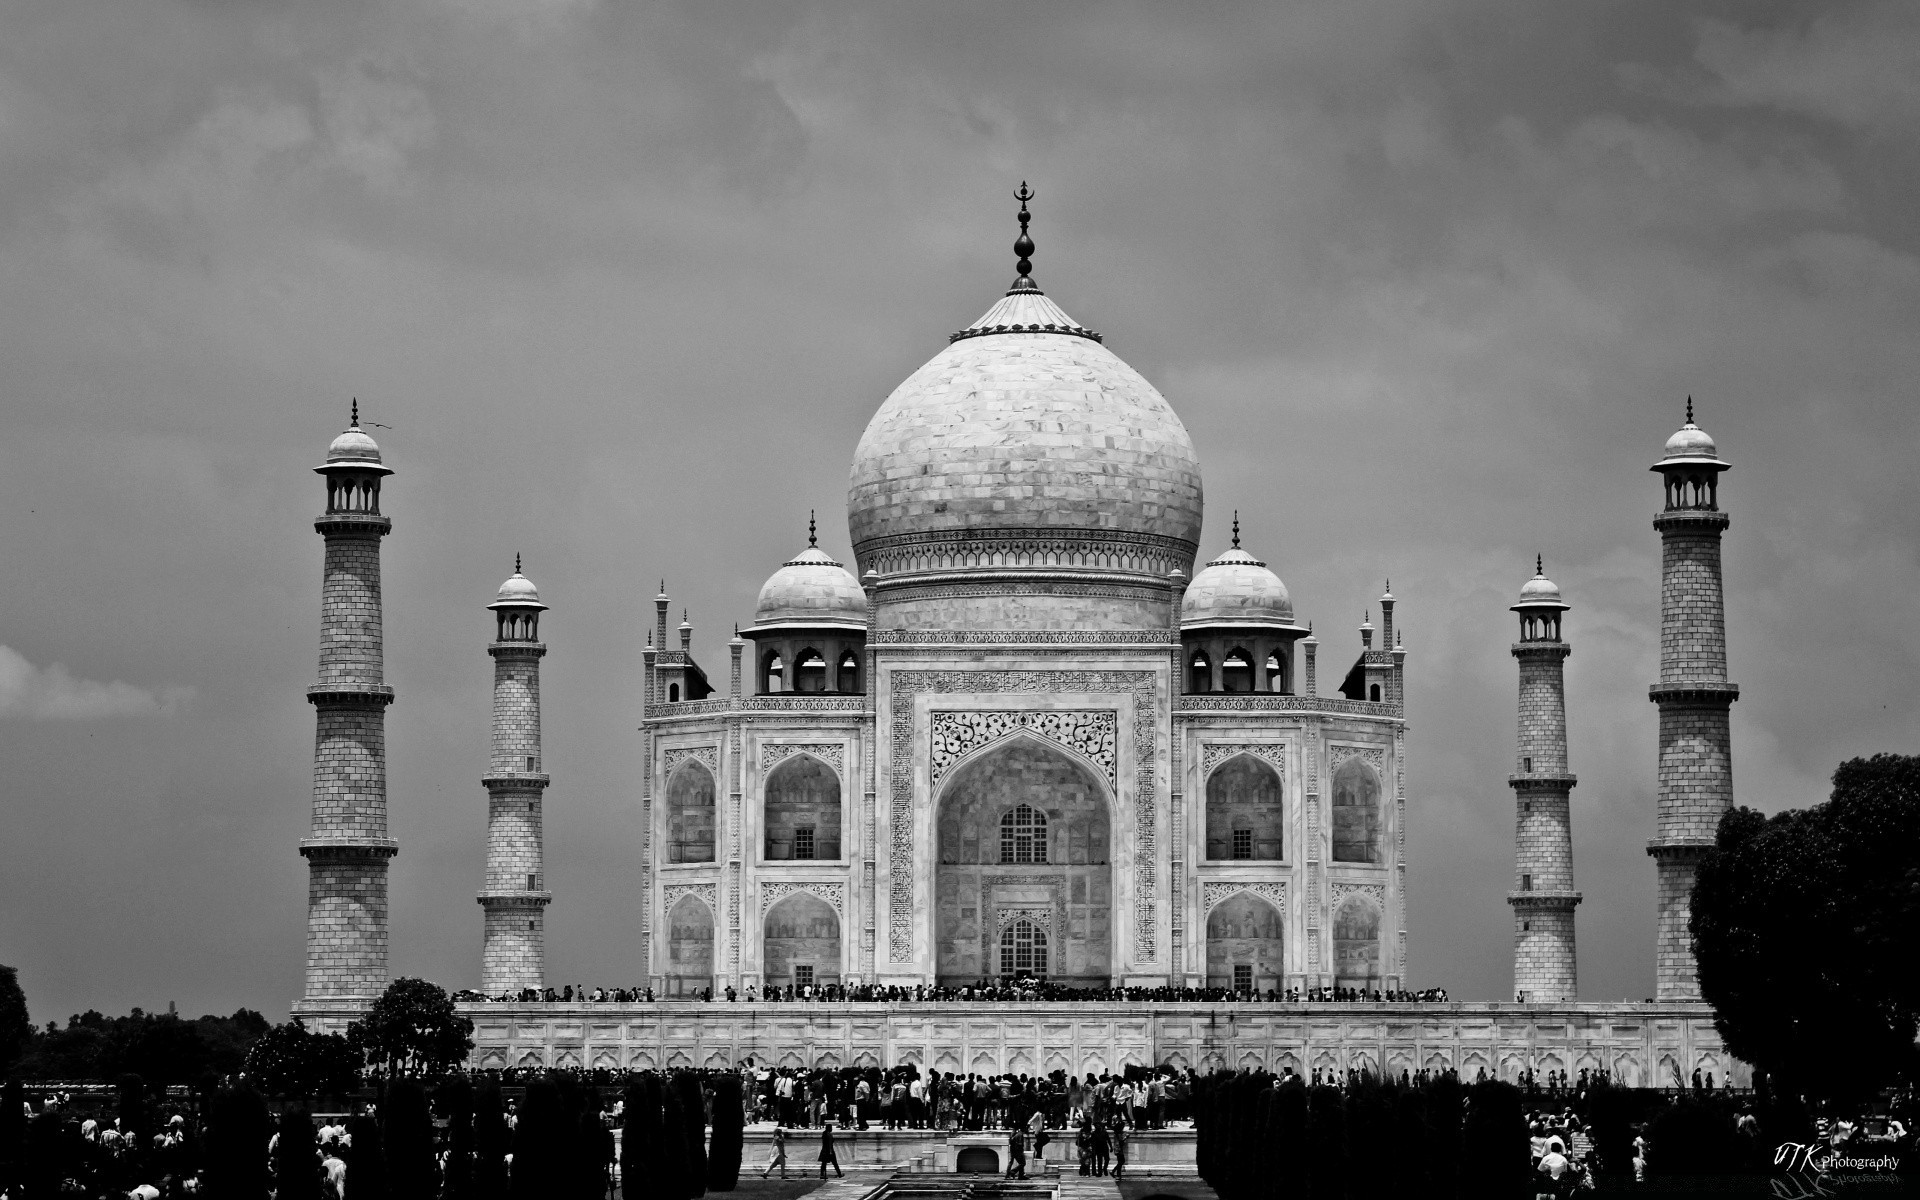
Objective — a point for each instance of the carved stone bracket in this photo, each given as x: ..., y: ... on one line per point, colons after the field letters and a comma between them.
x: 834, y: 754
x: 1212, y: 754
x: 1091, y: 734
x: 1213, y: 893
x: 833, y: 893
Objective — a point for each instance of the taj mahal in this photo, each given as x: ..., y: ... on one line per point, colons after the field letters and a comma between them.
x: 1027, y: 733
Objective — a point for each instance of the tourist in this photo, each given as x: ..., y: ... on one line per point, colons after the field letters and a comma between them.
x: 1119, y: 1151
x: 827, y: 1156
x: 780, y: 1154
x: 1017, y: 1154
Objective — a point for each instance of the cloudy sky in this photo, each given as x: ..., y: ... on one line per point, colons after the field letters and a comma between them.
x: 1429, y: 284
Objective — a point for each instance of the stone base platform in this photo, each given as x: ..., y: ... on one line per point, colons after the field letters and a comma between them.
x: 933, y: 1151
x: 1656, y: 1044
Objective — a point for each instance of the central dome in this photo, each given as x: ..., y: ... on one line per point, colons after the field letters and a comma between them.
x: 1025, y: 445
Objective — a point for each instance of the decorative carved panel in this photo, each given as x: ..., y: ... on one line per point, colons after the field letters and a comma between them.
x: 1090, y: 734
x: 671, y: 893
x: 834, y: 754
x: 1374, y: 756
x: 833, y: 893
x: 708, y: 756
x: 1212, y: 754
x: 1213, y: 893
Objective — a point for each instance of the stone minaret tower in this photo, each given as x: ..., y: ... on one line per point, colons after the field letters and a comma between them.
x: 1543, y: 899
x: 1696, y: 762
x: 348, y: 848
x: 515, y: 897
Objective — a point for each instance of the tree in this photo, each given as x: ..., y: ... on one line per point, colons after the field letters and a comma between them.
x: 367, y: 1161
x: 1804, y: 925
x: 492, y: 1142
x: 538, y: 1143
x: 456, y: 1100
x: 412, y: 1029
x: 729, y: 1133
x: 296, y: 1158
x: 1494, y: 1150
x: 15, y: 1029
x: 406, y: 1129
x: 237, y: 1136
x: 292, y: 1061
x: 693, y: 1118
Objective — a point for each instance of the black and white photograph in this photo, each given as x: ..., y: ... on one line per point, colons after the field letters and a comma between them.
x: 903, y: 601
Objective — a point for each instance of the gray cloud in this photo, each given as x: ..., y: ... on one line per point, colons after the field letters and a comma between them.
x: 51, y: 693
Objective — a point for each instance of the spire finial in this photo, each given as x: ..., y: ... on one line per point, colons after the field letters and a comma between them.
x: 1236, y: 529
x: 812, y: 539
x: 516, y: 562
x: 1024, y: 246
x: 1539, y: 565
x: 1689, y: 410
x: 355, y: 422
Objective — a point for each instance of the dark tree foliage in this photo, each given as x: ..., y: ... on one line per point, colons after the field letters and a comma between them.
x: 492, y: 1142
x: 672, y: 1169
x: 406, y: 1132
x: 13, y: 1130
x: 134, y: 1108
x: 1694, y: 1136
x: 729, y: 1134
x: 296, y: 1158
x: 640, y: 1128
x: 1495, y: 1158
x: 538, y: 1146
x: 367, y: 1177
x: 52, y: 1154
x: 413, y: 1029
x: 1445, y: 1101
x: 238, y: 1129
x: 15, y: 1028
x: 1326, y: 1134
x: 292, y: 1061
x: 455, y: 1100
x: 595, y: 1147
x: 1843, y: 878
x: 162, y: 1048
x: 693, y: 1117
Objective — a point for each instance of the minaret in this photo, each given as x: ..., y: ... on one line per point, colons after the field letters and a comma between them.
x: 515, y: 897
x: 348, y: 847
x: 1696, y: 762
x: 1543, y: 900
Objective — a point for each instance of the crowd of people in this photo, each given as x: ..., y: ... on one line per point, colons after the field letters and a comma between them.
x: 1010, y: 989
x: 904, y: 1098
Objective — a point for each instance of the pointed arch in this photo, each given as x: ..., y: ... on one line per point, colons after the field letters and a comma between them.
x: 800, y: 941
x: 690, y: 812
x: 1246, y: 943
x: 1245, y: 809
x: 1356, y: 812
x: 1356, y: 942
x: 801, y: 809
x: 690, y: 935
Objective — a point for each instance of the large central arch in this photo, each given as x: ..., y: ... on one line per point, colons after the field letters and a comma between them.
x: 1023, y: 833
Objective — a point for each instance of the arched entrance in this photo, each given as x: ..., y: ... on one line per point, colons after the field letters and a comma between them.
x: 1023, y: 847
x: 1244, y: 944
x: 801, y: 942
x: 689, y: 947
x: 802, y: 810
x: 1356, y: 944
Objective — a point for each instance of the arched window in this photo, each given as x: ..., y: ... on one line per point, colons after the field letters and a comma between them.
x: 690, y: 814
x: 1023, y: 835
x: 1356, y: 813
x: 809, y: 672
x: 673, y: 691
x: 1236, y: 673
x: 1023, y: 949
x: 1200, y: 676
x: 802, y: 810
x: 1356, y: 944
x: 1244, y: 811
x: 1277, y: 672
x: 849, y: 680
x: 1373, y: 693
x: 776, y: 674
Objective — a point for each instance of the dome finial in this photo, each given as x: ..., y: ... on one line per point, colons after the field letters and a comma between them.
x: 354, y: 423
x: 516, y: 562
x: 1689, y: 410
x: 1539, y: 564
x: 812, y: 539
x: 1236, y: 529
x: 1024, y: 246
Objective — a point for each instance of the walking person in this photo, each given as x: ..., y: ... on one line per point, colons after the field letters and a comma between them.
x: 779, y: 1153
x: 1119, y: 1151
x: 826, y: 1152
x: 1017, y: 1154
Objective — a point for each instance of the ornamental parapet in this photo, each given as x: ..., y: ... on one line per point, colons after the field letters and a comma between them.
x: 515, y: 781
x: 501, y: 898
x: 914, y: 558
x: 341, y: 849
x: 350, y: 695
x: 352, y: 524
x: 1542, y: 783
x: 1541, y: 649
x: 786, y: 702
x: 1259, y: 702
x: 1704, y: 693
x: 1543, y: 899
x: 1692, y: 520
x: 517, y: 649
x: 1678, y: 851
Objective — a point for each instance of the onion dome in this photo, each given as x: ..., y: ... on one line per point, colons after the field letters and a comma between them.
x: 811, y: 589
x: 1540, y: 592
x: 1236, y: 589
x: 518, y: 591
x: 354, y: 448
x: 1025, y: 446
x: 1690, y: 445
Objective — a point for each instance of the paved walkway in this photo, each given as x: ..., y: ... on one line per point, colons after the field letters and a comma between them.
x: 854, y: 1187
x: 1075, y: 1186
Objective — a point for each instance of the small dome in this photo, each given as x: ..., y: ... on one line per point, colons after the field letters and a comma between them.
x: 353, y: 446
x: 517, y: 591
x: 811, y: 589
x: 1236, y: 589
x: 1691, y: 441
x: 1540, y: 592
